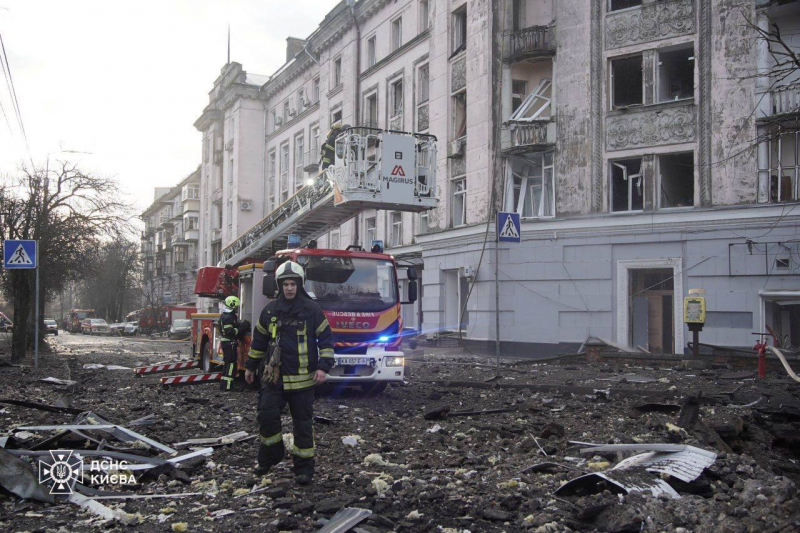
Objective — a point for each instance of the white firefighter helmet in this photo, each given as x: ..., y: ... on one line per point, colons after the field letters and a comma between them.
x: 288, y: 270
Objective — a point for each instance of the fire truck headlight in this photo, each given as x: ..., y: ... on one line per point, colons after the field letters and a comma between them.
x: 394, y: 361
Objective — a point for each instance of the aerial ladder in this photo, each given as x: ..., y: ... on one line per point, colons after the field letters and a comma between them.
x: 373, y: 169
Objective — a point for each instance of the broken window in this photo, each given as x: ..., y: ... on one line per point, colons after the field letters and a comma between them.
x: 459, y: 201
x: 623, y: 4
x: 519, y: 89
x: 777, y: 166
x: 396, y: 219
x: 627, y: 185
x: 337, y: 72
x: 626, y: 81
x: 397, y: 33
x: 459, y: 114
x: 336, y: 116
x: 371, y: 111
x: 529, y: 185
x: 537, y: 104
x: 676, y: 74
x: 370, y: 230
x: 460, y: 29
x: 371, y: 53
x: 676, y: 176
x: 423, y: 95
x: 396, y: 95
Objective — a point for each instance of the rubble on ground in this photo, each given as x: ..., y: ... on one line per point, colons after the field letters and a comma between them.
x: 453, y: 450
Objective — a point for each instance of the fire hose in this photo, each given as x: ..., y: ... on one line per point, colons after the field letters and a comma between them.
x: 789, y: 370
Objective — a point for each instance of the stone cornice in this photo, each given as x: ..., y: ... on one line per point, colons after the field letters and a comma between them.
x: 285, y: 78
x: 236, y: 91
x: 210, y: 115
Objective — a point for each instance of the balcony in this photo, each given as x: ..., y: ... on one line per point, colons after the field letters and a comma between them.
x: 178, y: 240
x: 216, y: 196
x: 216, y: 234
x: 148, y: 232
x: 311, y: 160
x: 785, y: 100
x: 530, y: 42
x: 185, y: 266
x: 523, y: 136
x: 191, y: 235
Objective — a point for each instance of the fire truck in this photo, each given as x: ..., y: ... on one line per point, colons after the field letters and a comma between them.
x: 75, y: 317
x: 357, y: 289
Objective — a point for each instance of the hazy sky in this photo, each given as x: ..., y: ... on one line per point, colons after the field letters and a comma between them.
x: 125, y: 80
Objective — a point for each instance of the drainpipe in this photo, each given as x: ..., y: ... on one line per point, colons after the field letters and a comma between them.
x: 356, y: 93
x: 264, y: 195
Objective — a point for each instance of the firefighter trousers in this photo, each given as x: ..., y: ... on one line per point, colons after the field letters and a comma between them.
x: 230, y: 356
x: 271, y: 402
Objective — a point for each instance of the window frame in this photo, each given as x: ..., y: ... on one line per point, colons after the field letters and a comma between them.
x: 629, y: 179
x: 298, y: 163
x: 315, y: 90
x: 423, y: 15
x: 422, y: 97
x: 775, y: 169
x: 610, y: 7
x: 396, y: 228
x: 336, y: 74
x: 368, y: 109
x: 396, y: 111
x: 544, y: 85
x: 659, y: 180
x: 396, y: 33
x: 459, y: 41
x: 527, y: 183
x: 454, y: 182
x: 373, y: 229
x: 272, y: 161
x: 284, y: 171
x: 372, y: 51
x: 453, y: 98
x: 611, y: 60
x: 657, y: 75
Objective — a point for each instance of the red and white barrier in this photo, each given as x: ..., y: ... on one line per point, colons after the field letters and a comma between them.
x: 190, y: 379
x: 165, y: 367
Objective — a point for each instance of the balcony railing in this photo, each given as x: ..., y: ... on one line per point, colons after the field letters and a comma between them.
x: 540, y: 133
x: 311, y: 160
x: 530, y: 41
x: 185, y: 266
x: 191, y: 235
x: 785, y: 99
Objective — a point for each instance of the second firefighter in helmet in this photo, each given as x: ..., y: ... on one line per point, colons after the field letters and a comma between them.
x: 293, y: 338
x: 229, y: 324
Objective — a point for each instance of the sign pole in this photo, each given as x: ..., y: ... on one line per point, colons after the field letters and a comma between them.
x: 36, y: 318
x: 497, y: 303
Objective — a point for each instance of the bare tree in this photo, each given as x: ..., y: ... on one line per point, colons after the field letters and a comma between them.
x: 68, y: 213
x: 111, y: 282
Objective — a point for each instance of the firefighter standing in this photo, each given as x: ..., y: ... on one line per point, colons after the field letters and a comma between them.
x: 329, y: 149
x: 300, y: 358
x: 229, y: 323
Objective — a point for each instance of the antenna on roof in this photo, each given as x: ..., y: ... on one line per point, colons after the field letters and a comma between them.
x: 229, y: 44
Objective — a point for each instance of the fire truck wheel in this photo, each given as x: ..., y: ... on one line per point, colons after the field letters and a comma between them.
x: 205, y: 356
x: 373, y: 389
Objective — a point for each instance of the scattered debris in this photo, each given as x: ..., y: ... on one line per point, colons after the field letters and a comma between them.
x: 17, y: 477
x: 345, y: 519
x: 629, y: 378
x: 226, y: 439
x: 97, y: 366
x: 657, y: 408
x: 352, y: 440
x: 56, y: 381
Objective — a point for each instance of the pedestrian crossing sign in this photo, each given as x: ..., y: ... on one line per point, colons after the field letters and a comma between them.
x: 19, y: 254
x: 508, y: 227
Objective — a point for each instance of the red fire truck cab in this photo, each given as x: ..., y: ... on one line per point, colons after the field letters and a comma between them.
x: 358, y: 292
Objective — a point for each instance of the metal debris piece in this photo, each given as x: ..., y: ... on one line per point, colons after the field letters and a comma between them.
x: 345, y: 519
x: 545, y: 467
x: 97, y: 366
x: 742, y: 374
x: 56, y: 381
x: 143, y: 421
x: 686, y: 465
x: 110, y: 428
x: 629, y: 378
x: 17, y: 477
x: 226, y: 439
x: 627, y: 481
x: 106, y: 513
x: 43, y: 407
x: 632, y: 447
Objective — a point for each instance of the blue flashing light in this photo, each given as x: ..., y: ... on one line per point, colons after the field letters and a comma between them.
x: 384, y: 338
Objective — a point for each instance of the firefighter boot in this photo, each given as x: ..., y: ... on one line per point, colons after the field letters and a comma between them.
x: 301, y: 405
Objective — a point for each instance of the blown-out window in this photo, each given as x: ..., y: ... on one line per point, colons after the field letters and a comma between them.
x: 530, y: 185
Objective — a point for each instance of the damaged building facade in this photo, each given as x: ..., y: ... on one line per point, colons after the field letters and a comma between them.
x: 624, y: 133
x: 169, y: 243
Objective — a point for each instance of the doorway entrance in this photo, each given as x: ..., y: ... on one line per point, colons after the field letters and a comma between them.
x: 456, y: 288
x: 780, y: 314
x: 652, y: 301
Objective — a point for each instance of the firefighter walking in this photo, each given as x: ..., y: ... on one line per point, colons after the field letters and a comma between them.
x: 229, y: 323
x: 293, y: 340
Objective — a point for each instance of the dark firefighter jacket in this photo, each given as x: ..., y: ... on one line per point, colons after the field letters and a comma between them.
x: 328, y: 149
x: 229, y: 324
x: 306, y: 340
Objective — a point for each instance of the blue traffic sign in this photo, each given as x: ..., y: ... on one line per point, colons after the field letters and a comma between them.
x: 20, y: 254
x: 508, y: 229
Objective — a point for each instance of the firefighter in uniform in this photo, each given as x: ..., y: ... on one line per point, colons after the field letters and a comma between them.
x: 293, y: 337
x: 329, y: 148
x: 229, y: 323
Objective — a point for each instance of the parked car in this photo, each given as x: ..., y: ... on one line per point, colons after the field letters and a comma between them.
x: 116, y: 328
x: 131, y: 328
x: 52, y: 327
x: 181, y: 329
x: 95, y: 326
